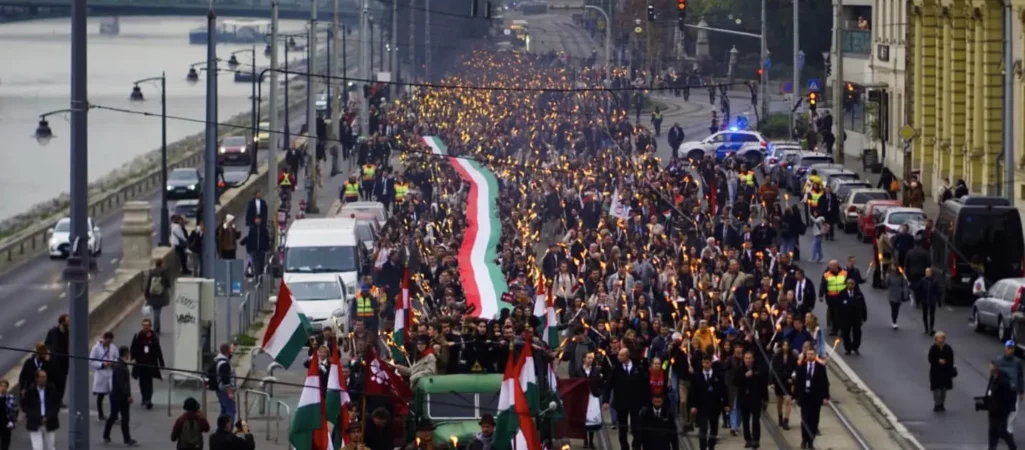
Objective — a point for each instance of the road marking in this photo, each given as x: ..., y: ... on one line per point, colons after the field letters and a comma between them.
x: 19, y: 323
x: 108, y: 282
x: 114, y: 261
x: 42, y: 308
x: 63, y: 294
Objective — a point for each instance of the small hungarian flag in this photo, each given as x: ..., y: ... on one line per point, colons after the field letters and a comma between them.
x: 401, y: 333
x: 308, y: 430
x: 337, y: 400
x: 287, y: 331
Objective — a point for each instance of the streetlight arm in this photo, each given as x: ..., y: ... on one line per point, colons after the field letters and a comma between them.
x: 58, y: 111
x: 147, y: 80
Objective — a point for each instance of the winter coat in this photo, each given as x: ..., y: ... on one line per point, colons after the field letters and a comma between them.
x: 941, y: 376
x: 102, y: 376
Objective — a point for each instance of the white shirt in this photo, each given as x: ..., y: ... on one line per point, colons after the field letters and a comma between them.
x: 658, y: 412
x: 42, y: 403
x: 708, y: 375
x: 258, y: 207
x: 626, y: 367
x: 800, y: 292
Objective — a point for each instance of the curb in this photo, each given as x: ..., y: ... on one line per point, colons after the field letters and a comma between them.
x: 847, y: 375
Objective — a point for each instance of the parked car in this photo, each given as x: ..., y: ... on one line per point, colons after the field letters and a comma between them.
x: 188, y: 209
x: 976, y: 235
x: 262, y: 138
x: 59, y: 245
x: 234, y: 149
x: 777, y: 150
x: 855, y: 202
x: 842, y: 187
x: 893, y: 218
x: 995, y: 308
x: 870, y: 216
x: 747, y: 145
x: 799, y: 168
x: 184, y: 182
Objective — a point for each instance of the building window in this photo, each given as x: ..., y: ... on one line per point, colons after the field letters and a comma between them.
x: 857, y: 42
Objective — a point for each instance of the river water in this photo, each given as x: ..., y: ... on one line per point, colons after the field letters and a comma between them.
x: 35, y: 59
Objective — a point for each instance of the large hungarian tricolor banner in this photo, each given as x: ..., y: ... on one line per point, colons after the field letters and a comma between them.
x: 483, y: 282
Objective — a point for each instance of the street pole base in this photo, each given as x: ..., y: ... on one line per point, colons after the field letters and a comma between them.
x: 312, y: 209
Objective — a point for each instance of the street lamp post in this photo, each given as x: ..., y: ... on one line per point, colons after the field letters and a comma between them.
x: 209, y: 254
x: 136, y: 96
x: 254, y: 119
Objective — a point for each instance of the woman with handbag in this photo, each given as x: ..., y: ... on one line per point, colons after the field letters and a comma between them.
x: 897, y: 292
x: 941, y: 371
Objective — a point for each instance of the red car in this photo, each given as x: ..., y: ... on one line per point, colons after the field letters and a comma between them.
x: 870, y: 215
x: 234, y: 150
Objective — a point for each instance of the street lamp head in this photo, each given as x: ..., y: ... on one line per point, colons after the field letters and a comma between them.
x: 233, y: 62
x: 193, y: 76
x: 43, y: 132
x: 266, y: 50
x: 137, y: 94
x: 291, y: 42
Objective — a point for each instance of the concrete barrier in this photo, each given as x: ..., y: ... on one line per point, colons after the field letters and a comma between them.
x: 124, y: 294
x: 34, y: 240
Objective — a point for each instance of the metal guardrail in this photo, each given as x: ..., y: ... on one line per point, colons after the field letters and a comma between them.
x: 183, y: 378
x: 288, y: 416
x: 34, y: 241
x: 265, y: 402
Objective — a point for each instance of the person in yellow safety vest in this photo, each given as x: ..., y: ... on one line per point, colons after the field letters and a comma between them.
x: 351, y: 190
x: 365, y: 308
x: 834, y: 282
x: 812, y: 201
x: 656, y: 121
x: 401, y: 189
x: 369, y: 172
x: 747, y: 178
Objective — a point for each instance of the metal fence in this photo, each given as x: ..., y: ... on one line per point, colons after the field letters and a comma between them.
x: 178, y: 382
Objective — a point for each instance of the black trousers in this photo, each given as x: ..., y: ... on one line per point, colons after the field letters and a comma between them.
x: 929, y: 317
x: 60, y: 382
x: 810, y: 412
x: 119, y: 408
x: 622, y: 415
x: 368, y: 191
x: 708, y: 429
x: 832, y: 311
x: 5, y: 437
x: 894, y: 311
x: 851, y: 335
x: 998, y: 431
x: 146, y: 386
x: 751, y: 421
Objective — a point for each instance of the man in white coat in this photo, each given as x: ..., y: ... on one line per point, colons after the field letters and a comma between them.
x: 102, y: 359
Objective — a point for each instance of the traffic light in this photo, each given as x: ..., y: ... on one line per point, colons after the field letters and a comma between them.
x: 850, y: 98
x: 651, y: 13
x: 760, y: 72
x: 813, y: 101
x: 681, y: 9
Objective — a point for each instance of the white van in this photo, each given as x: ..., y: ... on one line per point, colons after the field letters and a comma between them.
x: 364, y: 210
x: 324, y: 246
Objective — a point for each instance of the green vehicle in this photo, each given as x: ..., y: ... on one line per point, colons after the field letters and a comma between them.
x: 455, y: 404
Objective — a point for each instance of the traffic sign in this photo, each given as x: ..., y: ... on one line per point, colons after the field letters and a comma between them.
x: 788, y: 87
x: 601, y: 24
x: 768, y: 62
x: 638, y: 30
x: 800, y: 60
x: 813, y: 84
x: 908, y: 132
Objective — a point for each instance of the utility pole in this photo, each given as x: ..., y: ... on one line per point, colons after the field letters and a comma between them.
x: 336, y: 108
x: 76, y: 274
x: 764, y: 82
x: 838, y: 81
x: 311, y: 115
x: 210, y: 155
x: 412, y: 41
x: 275, y: 138
x: 364, y: 66
x: 796, y: 83
x: 428, y: 50
x: 393, y: 55
x: 1008, y: 127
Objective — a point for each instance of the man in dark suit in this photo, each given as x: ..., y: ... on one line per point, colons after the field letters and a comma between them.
x: 707, y: 400
x: 676, y: 137
x: 748, y: 257
x: 627, y: 389
x: 120, y: 398
x: 811, y: 389
x: 752, y: 383
x: 550, y: 262
x: 727, y: 234
x: 659, y: 424
x: 57, y: 341
x: 41, y: 407
x: 852, y: 314
x: 927, y: 293
x: 804, y: 292
x: 257, y: 207
x: 829, y: 208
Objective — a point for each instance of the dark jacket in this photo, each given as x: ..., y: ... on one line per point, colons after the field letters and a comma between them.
x: 853, y: 310
x: 149, y: 357
x: 257, y: 239
x: 659, y: 429
x: 927, y: 292
x: 817, y: 391
x: 708, y: 396
x: 251, y: 211
x: 8, y: 409
x: 120, y: 383
x: 1000, y: 397
x: 27, y: 377
x: 915, y: 263
x: 753, y: 391
x: 179, y: 424
x: 225, y: 440
x: 628, y: 391
x: 34, y: 417
x: 57, y: 341
x: 941, y: 376
x: 157, y: 275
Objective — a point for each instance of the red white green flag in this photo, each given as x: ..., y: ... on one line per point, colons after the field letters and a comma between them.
x: 287, y: 331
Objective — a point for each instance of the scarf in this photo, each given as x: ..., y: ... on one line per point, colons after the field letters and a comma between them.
x: 485, y: 440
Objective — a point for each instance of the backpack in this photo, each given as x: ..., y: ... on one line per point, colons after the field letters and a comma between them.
x: 894, y: 185
x: 156, y: 285
x: 212, y: 382
x: 191, y: 437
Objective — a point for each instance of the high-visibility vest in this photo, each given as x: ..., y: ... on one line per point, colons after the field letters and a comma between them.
x: 352, y: 190
x: 369, y: 171
x: 748, y: 179
x: 400, y: 191
x: 363, y: 306
x: 813, y: 199
x: 835, y: 282
x: 657, y: 116
x: 284, y: 180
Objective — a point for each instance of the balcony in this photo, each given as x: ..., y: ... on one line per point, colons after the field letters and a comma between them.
x: 856, y: 42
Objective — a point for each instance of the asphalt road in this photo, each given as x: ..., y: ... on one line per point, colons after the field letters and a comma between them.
x: 894, y: 366
x: 34, y: 295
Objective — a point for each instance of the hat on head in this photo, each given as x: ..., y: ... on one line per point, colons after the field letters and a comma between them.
x: 1009, y: 344
x: 487, y: 419
x: 353, y: 426
x: 425, y: 424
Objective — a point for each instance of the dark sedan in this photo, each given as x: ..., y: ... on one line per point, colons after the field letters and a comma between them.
x: 184, y: 183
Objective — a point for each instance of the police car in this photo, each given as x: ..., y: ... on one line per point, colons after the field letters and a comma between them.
x: 748, y: 145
